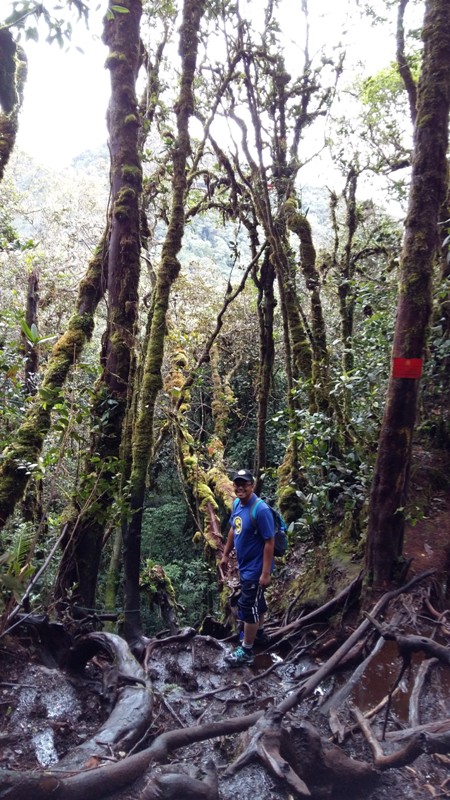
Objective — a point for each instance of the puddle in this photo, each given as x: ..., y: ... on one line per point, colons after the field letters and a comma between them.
x: 266, y: 660
x: 383, y: 671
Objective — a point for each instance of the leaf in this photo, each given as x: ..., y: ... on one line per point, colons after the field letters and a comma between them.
x: 120, y: 10
x: 26, y: 330
x: 31, y: 34
x: 48, y: 339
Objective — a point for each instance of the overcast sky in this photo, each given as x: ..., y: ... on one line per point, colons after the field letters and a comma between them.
x: 67, y: 92
x: 66, y: 96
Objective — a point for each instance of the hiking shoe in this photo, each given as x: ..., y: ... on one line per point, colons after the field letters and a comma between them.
x: 262, y: 640
x: 240, y: 658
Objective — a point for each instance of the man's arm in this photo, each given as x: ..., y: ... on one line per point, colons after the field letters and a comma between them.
x: 269, y: 546
x: 229, y: 546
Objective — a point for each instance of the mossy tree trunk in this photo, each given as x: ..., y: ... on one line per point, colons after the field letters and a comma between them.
x: 266, y: 309
x: 32, y: 507
x: 31, y: 349
x: 427, y: 193
x: 13, y: 73
x: 143, y: 438
x: 30, y: 436
x: 345, y: 291
x: 101, y: 482
x: 299, y: 224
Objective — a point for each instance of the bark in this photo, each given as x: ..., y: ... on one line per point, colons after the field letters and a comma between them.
x: 427, y: 193
x: 32, y: 507
x: 345, y: 291
x: 299, y: 224
x: 13, y: 73
x: 402, y: 61
x: 30, y: 436
x: 80, y: 562
x: 266, y: 308
x: 152, y: 383
x: 31, y: 350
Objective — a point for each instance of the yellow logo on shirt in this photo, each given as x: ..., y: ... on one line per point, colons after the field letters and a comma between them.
x: 237, y: 525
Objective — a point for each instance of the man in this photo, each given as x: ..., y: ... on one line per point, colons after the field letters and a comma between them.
x: 254, y: 545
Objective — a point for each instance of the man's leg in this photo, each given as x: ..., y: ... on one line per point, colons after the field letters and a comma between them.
x: 252, y: 607
x: 250, y: 629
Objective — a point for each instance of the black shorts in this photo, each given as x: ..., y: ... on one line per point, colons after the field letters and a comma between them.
x: 251, y: 602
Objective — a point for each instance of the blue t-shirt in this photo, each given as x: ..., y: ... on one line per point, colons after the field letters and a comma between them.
x: 249, y: 540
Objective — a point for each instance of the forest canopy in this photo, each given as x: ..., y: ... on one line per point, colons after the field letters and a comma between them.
x: 252, y: 273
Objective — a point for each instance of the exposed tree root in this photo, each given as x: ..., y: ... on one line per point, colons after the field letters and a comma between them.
x: 292, y: 750
x: 174, y: 786
x: 414, y: 716
x: 423, y: 742
x: 265, y: 745
x: 407, y: 645
x: 99, y: 782
x: 128, y: 691
x: 324, y: 610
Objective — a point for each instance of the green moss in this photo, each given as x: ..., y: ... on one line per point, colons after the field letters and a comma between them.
x: 205, y: 496
x: 126, y: 195
x: 114, y: 59
x: 122, y: 213
x: 131, y: 119
x: 131, y: 173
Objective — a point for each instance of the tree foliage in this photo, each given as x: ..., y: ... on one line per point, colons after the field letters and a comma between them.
x: 239, y: 322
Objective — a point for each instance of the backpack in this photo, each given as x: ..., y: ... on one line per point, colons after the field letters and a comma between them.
x: 281, y: 541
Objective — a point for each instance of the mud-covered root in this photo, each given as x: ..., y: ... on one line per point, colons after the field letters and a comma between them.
x: 177, y: 785
x: 263, y: 743
x: 294, y: 752
x: 320, y: 763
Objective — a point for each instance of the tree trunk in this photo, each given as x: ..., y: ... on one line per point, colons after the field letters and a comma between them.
x: 31, y: 350
x: 427, y: 193
x: 94, y: 499
x: 13, y: 73
x: 266, y: 307
x: 143, y: 439
x: 30, y: 436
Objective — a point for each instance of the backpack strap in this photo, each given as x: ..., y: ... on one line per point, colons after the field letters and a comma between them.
x: 254, y: 505
x: 253, y: 511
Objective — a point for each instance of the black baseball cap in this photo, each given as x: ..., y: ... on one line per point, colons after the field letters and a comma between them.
x: 243, y: 475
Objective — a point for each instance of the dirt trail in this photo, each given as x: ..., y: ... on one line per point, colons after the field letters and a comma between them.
x: 427, y: 543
